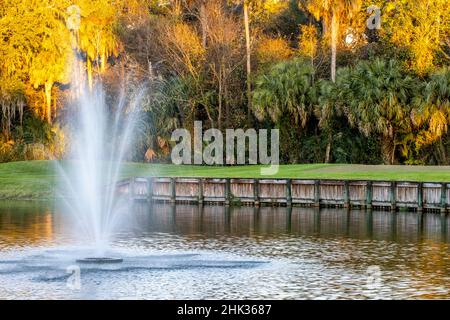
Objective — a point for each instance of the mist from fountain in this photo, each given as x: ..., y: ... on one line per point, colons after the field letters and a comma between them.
x: 100, y: 137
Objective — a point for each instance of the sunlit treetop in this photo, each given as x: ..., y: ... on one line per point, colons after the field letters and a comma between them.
x: 419, y: 27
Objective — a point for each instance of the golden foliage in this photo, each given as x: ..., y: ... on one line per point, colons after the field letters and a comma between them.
x: 36, y: 51
x: 35, y: 45
x: 420, y: 26
x: 273, y: 50
x: 184, y: 47
x: 262, y: 11
x: 342, y: 9
x: 308, y: 40
x: 96, y: 36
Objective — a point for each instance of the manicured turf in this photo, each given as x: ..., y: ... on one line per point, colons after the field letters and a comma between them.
x: 36, y: 179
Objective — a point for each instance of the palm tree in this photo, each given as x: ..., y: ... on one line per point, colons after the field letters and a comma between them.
x: 376, y: 97
x: 248, y: 9
x: 331, y: 13
x: 287, y: 89
x: 433, y: 114
x: 326, y: 111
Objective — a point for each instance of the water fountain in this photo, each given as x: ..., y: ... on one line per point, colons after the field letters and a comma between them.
x: 100, y: 138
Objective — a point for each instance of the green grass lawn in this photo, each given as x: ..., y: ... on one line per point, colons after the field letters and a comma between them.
x: 36, y: 179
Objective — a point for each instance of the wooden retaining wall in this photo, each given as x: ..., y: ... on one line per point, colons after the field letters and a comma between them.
x: 317, y: 193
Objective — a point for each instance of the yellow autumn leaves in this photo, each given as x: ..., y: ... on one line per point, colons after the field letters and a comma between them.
x: 37, y: 48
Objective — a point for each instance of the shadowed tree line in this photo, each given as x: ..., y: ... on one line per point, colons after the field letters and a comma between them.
x: 341, y: 85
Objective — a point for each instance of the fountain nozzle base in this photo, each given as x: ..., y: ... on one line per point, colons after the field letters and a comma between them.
x: 102, y: 260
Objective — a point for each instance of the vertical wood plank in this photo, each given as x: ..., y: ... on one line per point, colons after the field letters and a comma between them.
x: 200, y: 190
x: 346, y: 194
x: 369, y: 192
x: 227, y: 191
x: 420, y: 197
x: 173, y: 192
x: 132, y: 188
x: 256, y: 191
x: 150, y: 189
x: 317, y: 193
x: 392, y: 195
x: 289, y: 192
x: 444, y: 198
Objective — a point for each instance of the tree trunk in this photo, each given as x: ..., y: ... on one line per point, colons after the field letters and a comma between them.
x: 385, y: 150
x: 393, y: 155
x: 226, y: 102
x: 204, y: 23
x: 219, y: 118
x: 328, y: 150
x: 334, y: 35
x: 393, y: 136
x: 249, y: 65
x: 388, y: 147
x: 442, y: 152
x: 48, y: 101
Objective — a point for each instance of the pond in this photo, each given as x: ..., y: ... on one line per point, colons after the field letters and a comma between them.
x: 215, y: 252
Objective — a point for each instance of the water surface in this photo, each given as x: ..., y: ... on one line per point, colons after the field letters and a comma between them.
x: 213, y: 252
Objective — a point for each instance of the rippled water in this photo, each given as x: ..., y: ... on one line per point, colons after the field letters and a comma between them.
x: 189, y: 252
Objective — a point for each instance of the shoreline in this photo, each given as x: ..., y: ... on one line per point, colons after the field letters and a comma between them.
x: 36, y: 180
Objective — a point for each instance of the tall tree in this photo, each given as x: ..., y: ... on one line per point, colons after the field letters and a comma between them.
x: 419, y: 28
x: 287, y: 89
x: 433, y: 116
x: 35, y: 52
x: 285, y: 95
x: 376, y: 97
x: 326, y: 112
x: 248, y: 59
x: 96, y: 36
x: 331, y: 12
x: 255, y: 11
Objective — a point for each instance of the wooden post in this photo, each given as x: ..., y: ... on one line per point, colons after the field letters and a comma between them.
x: 200, y: 191
x: 444, y: 198
x: 173, y: 192
x: 393, y: 197
x: 420, y: 197
x: 317, y: 193
x: 346, y: 194
x: 150, y: 189
x: 289, y: 192
x: 227, y: 191
x: 132, y: 188
x: 369, y: 192
x: 256, y: 192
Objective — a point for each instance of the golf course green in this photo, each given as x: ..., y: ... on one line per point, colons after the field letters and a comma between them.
x: 37, y: 179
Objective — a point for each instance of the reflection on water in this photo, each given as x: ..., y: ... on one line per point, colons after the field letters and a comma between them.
x: 310, y: 253
x: 272, y: 222
x: 25, y: 224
